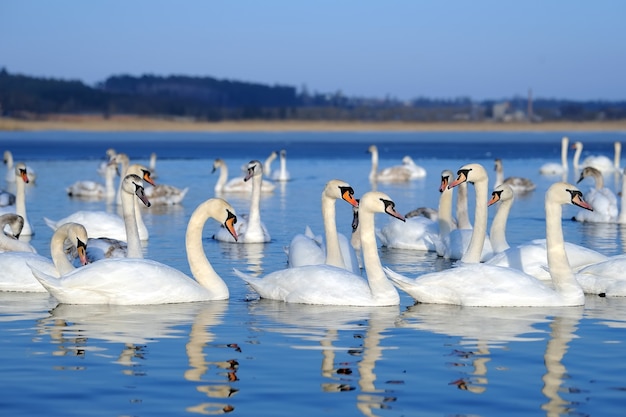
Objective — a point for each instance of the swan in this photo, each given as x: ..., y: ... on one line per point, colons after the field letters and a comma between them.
x: 603, y: 163
x: 397, y: 173
x: 102, y: 168
x: 152, y: 164
x: 10, y: 242
x: 306, y: 250
x: 419, y: 232
x: 476, y: 284
x: 417, y: 172
x: 329, y: 285
x: 578, y: 150
x: 10, y: 175
x: 250, y: 229
x: 130, y: 281
x: 603, y: 200
x: 15, y: 273
x: 497, y: 233
x: 100, y: 224
x: 267, y: 165
x: 530, y: 258
x: 22, y: 178
x: 520, y: 185
x: 554, y: 168
x: 237, y: 184
x: 94, y: 190
x: 166, y: 195
x: 282, y: 174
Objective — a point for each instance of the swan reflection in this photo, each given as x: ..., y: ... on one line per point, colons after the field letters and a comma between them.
x: 484, y: 329
x: 17, y: 306
x: 320, y: 328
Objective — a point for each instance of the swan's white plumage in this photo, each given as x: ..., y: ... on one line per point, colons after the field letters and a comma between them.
x: 398, y: 173
x: 417, y: 172
x: 15, y: 273
x: 250, y: 229
x: 306, y: 249
x: 142, y: 281
x: 476, y: 284
x: 325, y: 284
x: 519, y: 185
x: 603, y: 163
x: 11, y: 169
x: 554, y: 168
x: 94, y: 190
x: 504, y: 195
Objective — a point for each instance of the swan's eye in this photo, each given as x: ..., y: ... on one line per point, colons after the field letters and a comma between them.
x: 388, y: 204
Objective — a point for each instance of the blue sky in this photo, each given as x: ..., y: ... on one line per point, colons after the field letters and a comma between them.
x: 481, y: 49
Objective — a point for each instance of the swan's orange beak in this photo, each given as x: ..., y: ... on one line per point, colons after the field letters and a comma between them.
x: 462, y: 177
x: 24, y: 176
x: 147, y: 178
x: 347, y: 194
x: 81, y: 248
x: 495, y: 197
x: 578, y: 200
x: 229, y: 224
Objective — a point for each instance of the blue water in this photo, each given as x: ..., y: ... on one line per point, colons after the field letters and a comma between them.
x: 252, y: 357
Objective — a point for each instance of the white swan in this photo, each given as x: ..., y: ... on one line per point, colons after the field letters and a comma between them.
x: 15, y: 273
x: 554, y: 168
x: 100, y: 224
x: 22, y: 178
x: 603, y: 163
x: 476, y: 284
x: 398, y: 173
x: 306, y: 250
x: 326, y: 284
x: 94, y: 190
x: 497, y: 233
x: 166, y: 195
x: 603, y: 200
x: 250, y: 229
x: 11, y: 172
x: 142, y: 281
x: 102, y: 168
x: 237, y: 184
x: 419, y: 232
x: 11, y: 226
x: 282, y: 174
x: 267, y: 165
x: 417, y: 172
x: 520, y: 185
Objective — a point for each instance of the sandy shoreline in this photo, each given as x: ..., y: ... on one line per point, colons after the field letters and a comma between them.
x: 133, y: 123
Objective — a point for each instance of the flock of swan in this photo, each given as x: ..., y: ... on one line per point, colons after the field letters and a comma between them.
x: 97, y: 257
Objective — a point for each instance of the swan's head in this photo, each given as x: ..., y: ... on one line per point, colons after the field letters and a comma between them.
x: 142, y: 172
x: 589, y: 172
x: 378, y: 202
x: 77, y: 235
x: 133, y: 184
x: 8, y: 157
x: 470, y: 173
x: 372, y: 149
x: 15, y: 222
x: 218, y: 163
x: 502, y: 192
x: 337, y: 189
x: 255, y: 168
x: 565, y: 193
x: 283, y: 153
x: 110, y: 153
x: 407, y: 160
x: 223, y: 212
x: 20, y: 171
x: 577, y: 145
x: 497, y: 164
x: 446, y: 177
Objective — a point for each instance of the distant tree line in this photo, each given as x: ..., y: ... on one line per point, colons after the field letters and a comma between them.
x: 207, y: 98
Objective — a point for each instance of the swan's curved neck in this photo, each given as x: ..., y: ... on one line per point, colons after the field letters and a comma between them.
x: 599, y: 179
x: 254, y: 217
x: 374, y: 169
x: 200, y: 266
x: 497, y: 233
x: 223, y: 178
x: 562, y: 275
x: 333, y: 251
x: 109, y: 182
x: 130, y: 210
x: 564, y: 149
x: 575, y: 162
x: 20, y: 198
x: 499, y: 176
x: 57, y: 251
x: 445, y: 212
x: 475, y: 248
x: 462, y: 215
x: 122, y: 160
x: 380, y: 286
x: 283, y: 164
